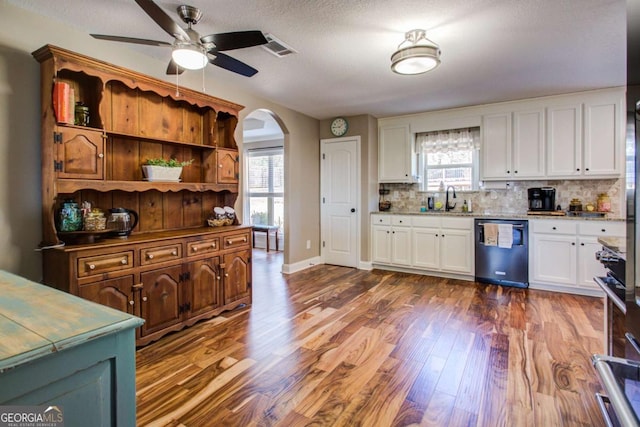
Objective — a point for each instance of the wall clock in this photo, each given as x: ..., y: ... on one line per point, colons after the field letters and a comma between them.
x: 339, y: 126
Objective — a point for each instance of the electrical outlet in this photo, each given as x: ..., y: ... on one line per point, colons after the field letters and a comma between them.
x: 308, y: 244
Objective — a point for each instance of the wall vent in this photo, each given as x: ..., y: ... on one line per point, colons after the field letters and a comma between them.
x: 277, y: 47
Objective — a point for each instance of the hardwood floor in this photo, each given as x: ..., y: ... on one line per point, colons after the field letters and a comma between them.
x: 337, y: 346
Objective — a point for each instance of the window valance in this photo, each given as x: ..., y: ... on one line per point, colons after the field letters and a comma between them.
x: 448, y: 140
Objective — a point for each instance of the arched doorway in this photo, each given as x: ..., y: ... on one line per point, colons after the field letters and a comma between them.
x: 263, y: 199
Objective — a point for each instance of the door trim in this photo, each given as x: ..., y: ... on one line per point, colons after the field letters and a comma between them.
x: 359, y: 208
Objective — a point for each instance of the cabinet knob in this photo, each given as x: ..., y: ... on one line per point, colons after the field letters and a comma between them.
x: 508, y: 171
x: 603, y: 230
x: 244, y: 240
x: 581, y: 244
x: 436, y: 235
x: 220, y: 166
x: 443, y: 235
x: 131, y: 302
x: 100, y: 155
x: 573, y: 243
x: 226, y: 274
x: 586, y: 169
x: 194, y: 249
x: 218, y: 277
x: 213, y: 245
x: 92, y: 266
x: 577, y: 169
x: 515, y: 171
x: 553, y: 228
x: 150, y: 256
x: 229, y: 242
x: 174, y: 253
x: 144, y: 299
x: 123, y: 261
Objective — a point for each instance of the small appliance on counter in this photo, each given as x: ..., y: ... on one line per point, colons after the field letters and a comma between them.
x: 542, y: 199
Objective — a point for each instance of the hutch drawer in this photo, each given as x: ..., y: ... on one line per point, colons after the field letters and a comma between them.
x: 205, y: 246
x: 92, y: 265
x: 236, y: 240
x: 160, y: 254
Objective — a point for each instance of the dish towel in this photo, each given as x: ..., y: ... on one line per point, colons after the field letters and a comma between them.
x: 490, y: 234
x: 505, y: 236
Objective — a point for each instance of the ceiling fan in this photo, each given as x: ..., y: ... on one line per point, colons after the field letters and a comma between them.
x: 190, y: 51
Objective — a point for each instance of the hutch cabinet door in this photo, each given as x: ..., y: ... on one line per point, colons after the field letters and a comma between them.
x: 115, y: 293
x: 204, y: 287
x: 237, y: 276
x: 160, y: 299
x: 228, y: 166
x: 80, y: 153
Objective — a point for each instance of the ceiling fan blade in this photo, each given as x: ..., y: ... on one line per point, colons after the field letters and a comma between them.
x: 235, y: 40
x: 231, y: 64
x: 173, y: 68
x: 163, y: 20
x: 130, y: 40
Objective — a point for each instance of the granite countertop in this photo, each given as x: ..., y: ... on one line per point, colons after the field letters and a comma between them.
x: 616, y: 244
x: 486, y: 214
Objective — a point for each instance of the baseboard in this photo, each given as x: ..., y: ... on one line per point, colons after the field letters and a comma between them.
x: 301, y: 265
x: 365, y: 265
x: 567, y: 289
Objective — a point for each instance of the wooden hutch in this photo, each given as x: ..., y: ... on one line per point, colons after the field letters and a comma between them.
x: 173, y: 270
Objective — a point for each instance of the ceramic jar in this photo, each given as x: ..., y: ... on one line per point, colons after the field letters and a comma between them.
x: 69, y: 216
x: 603, y: 203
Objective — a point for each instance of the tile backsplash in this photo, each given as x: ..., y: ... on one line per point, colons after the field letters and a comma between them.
x: 513, y: 198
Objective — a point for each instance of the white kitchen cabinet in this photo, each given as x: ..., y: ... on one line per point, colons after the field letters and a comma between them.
x: 397, y: 161
x: 431, y: 243
x: 513, y: 145
x: 562, y: 253
x: 391, y: 239
x: 443, y: 244
x: 555, y: 259
x: 585, y: 139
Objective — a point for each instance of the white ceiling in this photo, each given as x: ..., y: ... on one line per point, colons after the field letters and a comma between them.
x: 492, y: 50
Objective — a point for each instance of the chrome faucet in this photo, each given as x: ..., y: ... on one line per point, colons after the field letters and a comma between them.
x: 447, y: 206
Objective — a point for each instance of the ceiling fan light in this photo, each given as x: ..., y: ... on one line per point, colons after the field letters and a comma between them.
x: 189, y: 57
x: 416, y: 54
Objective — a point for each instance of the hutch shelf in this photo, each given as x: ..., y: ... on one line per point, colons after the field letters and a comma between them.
x: 172, y: 270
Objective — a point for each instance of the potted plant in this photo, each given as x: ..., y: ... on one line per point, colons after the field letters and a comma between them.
x: 158, y: 169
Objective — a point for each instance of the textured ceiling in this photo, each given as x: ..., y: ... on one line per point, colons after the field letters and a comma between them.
x: 492, y: 50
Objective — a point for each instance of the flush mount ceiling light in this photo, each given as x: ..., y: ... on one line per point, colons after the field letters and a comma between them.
x: 416, y: 54
x: 189, y: 56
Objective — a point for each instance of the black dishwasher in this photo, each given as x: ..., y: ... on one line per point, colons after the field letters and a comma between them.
x: 502, y: 254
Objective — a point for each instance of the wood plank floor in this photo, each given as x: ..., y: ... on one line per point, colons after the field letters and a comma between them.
x: 337, y: 346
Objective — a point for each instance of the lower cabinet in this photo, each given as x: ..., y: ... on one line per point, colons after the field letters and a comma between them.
x: 425, y: 242
x: 392, y: 239
x: 562, y: 253
x: 170, y: 282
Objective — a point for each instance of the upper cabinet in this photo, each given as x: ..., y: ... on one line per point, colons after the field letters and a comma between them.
x: 513, y: 145
x: 586, y: 139
x: 396, y: 155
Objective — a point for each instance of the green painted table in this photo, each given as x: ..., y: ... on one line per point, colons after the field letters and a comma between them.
x: 58, y: 349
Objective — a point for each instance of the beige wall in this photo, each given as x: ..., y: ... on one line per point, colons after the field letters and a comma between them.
x: 366, y: 127
x: 20, y: 220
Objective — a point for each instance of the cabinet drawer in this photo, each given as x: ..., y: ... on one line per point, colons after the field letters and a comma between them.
x: 401, y: 220
x: 555, y: 227
x: 457, y: 223
x: 602, y: 228
x: 160, y: 254
x: 380, y: 219
x: 203, y: 246
x: 89, y: 266
x: 235, y: 240
x: 426, y: 221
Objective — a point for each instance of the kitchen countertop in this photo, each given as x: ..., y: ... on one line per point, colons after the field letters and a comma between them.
x: 478, y: 214
x: 616, y: 244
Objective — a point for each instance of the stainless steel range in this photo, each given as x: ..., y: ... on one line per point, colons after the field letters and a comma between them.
x: 613, y: 285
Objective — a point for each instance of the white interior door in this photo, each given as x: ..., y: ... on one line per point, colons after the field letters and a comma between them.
x: 340, y: 201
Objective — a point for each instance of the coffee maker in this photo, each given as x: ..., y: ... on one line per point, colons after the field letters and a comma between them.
x: 542, y: 199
